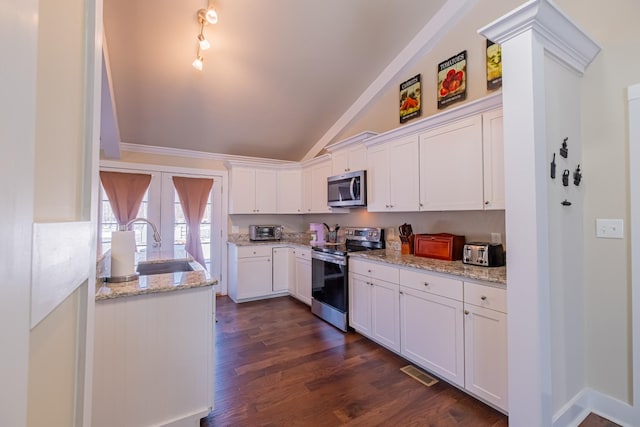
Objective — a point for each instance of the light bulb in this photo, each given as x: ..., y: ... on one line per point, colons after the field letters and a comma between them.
x: 204, y: 43
x: 197, y: 64
x: 212, y: 16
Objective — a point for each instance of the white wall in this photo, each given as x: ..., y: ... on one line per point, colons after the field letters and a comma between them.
x: 605, y: 151
x: 383, y: 114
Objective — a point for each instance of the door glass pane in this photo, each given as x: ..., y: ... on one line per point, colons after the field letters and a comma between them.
x: 180, y: 231
x: 109, y: 224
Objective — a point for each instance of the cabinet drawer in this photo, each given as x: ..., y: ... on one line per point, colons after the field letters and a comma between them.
x: 302, y: 253
x: 432, y: 283
x: 485, y: 296
x: 375, y: 270
x: 253, y: 251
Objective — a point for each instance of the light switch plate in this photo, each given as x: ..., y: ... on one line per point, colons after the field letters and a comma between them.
x: 496, y: 238
x: 609, y: 228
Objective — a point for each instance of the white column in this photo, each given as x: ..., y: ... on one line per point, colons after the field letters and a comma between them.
x: 528, y: 34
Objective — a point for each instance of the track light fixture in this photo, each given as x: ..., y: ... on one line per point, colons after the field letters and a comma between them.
x: 205, y: 17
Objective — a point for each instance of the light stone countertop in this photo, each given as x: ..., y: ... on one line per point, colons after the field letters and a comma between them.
x: 493, y: 275
x: 150, y: 284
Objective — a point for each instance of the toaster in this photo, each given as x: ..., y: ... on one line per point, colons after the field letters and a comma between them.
x: 484, y: 254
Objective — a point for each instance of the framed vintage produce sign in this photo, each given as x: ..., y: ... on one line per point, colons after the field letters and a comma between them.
x: 452, y: 80
x: 410, y: 99
x: 494, y: 65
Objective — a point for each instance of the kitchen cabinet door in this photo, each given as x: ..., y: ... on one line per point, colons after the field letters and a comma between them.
x: 266, y: 191
x: 377, y: 179
x: 385, y: 314
x: 319, y: 175
x: 493, y: 159
x: 353, y: 158
x: 433, y: 333
x: 289, y: 200
x: 303, y: 275
x: 254, y: 277
x: 451, y: 176
x: 485, y: 345
x: 360, y: 294
x: 307, y: 190
x: 283, y: 269
x: 404, y: 184
x: 242, y: 197
x: 392, y: 176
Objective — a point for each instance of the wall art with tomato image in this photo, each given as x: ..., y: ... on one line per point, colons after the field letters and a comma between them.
x: 410, y: 99
x: 452, y: 80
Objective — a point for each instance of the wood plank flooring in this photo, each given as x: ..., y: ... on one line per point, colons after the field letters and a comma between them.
x: 279, y: 365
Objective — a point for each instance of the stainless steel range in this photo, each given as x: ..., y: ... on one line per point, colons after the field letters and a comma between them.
x: 330, y: 275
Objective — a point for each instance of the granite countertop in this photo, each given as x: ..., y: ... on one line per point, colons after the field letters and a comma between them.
x: 150, y: 284
x: 297, y: 239
x: 494, y: 275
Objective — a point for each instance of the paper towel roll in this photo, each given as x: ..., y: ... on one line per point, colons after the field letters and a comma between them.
x: 123, y: 248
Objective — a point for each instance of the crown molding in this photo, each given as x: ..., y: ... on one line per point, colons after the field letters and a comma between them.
x: 351, y: 140
x: 179, y: 152
x: 560, y: 35
x: 479, y: 106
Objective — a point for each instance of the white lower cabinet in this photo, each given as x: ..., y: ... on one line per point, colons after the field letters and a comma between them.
x: 433, y: 333
x: 374, y: 305
x: 303, y: 275
x: 456, y: 330
x: 283, y: 269
x: 486, y: 343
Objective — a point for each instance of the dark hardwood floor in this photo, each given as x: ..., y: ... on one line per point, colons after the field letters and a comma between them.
x: 278, y: 365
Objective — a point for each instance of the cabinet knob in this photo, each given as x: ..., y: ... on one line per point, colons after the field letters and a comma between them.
x: 466, y: 312
x: 401, y: 293
x: 368, y: 271
x: 483, y: 298
x: 486, y: 202
x: 268, y: 259
x: 426, y: 283
x: 421, y: 205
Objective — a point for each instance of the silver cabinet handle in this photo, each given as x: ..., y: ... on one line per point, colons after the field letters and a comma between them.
x: 483, y: 298
x: 426, y: 283
x: 466, y: 312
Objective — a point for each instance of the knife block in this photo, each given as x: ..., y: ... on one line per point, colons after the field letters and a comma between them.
x: 406, y: 245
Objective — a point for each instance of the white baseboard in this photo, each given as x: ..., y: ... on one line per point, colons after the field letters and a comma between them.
x: 589, y: 400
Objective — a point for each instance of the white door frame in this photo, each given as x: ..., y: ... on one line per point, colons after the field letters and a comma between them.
x: 634, y: 200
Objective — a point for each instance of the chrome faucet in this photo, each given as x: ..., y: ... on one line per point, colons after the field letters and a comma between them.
x: 156, y: 235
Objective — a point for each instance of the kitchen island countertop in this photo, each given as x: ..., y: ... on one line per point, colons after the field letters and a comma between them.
x: 154, y: 283
x: 493, y: 275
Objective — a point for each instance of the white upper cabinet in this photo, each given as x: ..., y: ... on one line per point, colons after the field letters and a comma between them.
x: 451, y: 166
x: 349, y: 159
x: 289, y: 191
x: 392, y: 176
x: 252, y: 191
x: 314, y: 188
x: 349, y: 155
x: 493, y: 159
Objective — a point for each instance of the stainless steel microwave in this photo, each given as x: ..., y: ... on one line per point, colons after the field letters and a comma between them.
x: 347, y: 190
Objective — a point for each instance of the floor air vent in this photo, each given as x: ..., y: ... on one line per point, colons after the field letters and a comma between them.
x: 419, y: 375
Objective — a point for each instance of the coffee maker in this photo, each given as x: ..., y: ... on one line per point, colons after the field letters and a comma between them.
x: 317, y: 230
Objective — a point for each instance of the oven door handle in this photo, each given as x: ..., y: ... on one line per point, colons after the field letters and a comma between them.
x: 333, y: 259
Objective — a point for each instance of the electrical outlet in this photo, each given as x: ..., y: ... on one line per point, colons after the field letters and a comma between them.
x: 609, y: 228
x: 496, y: 238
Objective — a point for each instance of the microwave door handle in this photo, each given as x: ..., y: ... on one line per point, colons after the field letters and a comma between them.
x: 352, y: 188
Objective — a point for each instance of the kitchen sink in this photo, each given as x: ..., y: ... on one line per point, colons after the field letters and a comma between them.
x: 149, y: 268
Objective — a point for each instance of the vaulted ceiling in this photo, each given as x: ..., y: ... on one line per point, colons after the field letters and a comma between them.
x: 278, y: 76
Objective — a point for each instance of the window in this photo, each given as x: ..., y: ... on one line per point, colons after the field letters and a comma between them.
x: 109, y: 224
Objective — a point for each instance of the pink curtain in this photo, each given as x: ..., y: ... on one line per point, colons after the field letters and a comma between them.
x: 125, y: 192
x: 193, y: 194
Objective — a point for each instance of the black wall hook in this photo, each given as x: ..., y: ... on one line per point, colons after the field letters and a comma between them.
x: 553, y: 167
x: 564, y: 151
x: 565, y: 178
x: 577, y: 176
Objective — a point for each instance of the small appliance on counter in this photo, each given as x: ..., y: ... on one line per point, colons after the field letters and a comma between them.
x: 484, y: 254
x: 443, y: 246
x: 265, y: 232
x: 317, y: 233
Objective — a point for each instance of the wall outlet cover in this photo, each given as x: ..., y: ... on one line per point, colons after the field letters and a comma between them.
x: 610, y: 228
x: 496, y: 238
